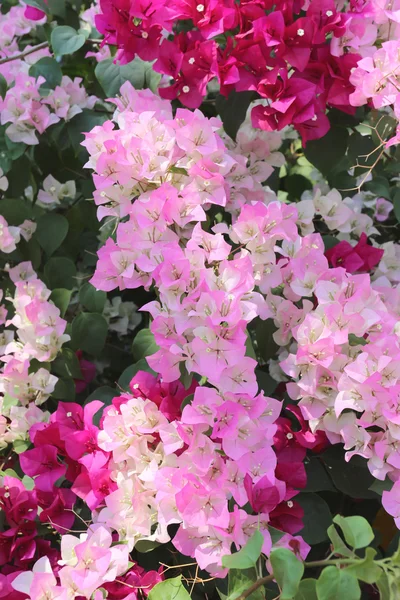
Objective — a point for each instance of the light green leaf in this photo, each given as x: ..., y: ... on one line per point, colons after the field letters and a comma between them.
x: 170, y: 589
x: 92, y: 299
x: 288, y: 571
x: 240, y: 580
x: 89, y: 333
x: 247, y: 556
x: 338, y: 544
x: 66, y: 40
x: 337, y: 584
x: 51, y: 231
x: 143, y: 344
x: 20, y: 446
x: 307, y: 590
x: 356, y: 530
x: 111, y: 76
x: 366, y: 570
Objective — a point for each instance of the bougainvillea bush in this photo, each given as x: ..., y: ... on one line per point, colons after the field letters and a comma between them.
x: 199, y: 299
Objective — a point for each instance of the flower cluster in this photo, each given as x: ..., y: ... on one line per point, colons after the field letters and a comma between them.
x: 35, y: 332
x: 285, y: 52
x: 29, y: 113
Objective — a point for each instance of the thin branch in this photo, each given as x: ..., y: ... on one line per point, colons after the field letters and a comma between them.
x: 38, y: 47
x: 24, y: 53
x: 255, y: 586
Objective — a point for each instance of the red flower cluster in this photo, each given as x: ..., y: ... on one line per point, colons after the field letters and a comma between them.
x: 273, y: 48
x: 361, y: 258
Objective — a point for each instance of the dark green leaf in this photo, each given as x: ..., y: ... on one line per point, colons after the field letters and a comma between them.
x: 65, y: 40
x: 265, y: 382
x: 106, y: 395
x: 247, y: 556
x: 233, y: 109
x: 381, y: 486
x: 295, y: 185
x: 143, y: 344
x: 396, y: 204
x: 317, y: 518
x: 335, y: 584
x: 330, y: 241
x: 326, y: 152
x: 92, y: 299
x: 379, y: 186
x: 60, y: 272
x: 318, y: 479
x: 64, y: 390
x: 80, y: 124
x: 61, y: 299
x: 66, y: 364
x: 51, y: 231
x: 111, y: 76
x: 266, y: 345
x: 89, y: 333
x: 130, y: 372
x: 3, y: 86
x: 170, y: 589
x: 352, y: 478
x: 48, y: 68
x: 356, y: 341
x: 287, y: 570
x: 356, y: 530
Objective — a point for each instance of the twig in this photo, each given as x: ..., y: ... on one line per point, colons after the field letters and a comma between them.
x: 38, y: 47
x: 255, y: 586
x: 24, y: 53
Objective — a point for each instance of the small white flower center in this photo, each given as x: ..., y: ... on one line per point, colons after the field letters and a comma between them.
x: 185, y: 89
x: 300, y: 32
x: 200, y: 8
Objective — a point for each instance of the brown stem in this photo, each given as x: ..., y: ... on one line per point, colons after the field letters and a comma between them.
x: 35, y: 48
x: 255, y: 586
x: 24, y: 53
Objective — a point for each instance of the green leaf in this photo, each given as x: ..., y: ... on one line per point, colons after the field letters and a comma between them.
x: 80, y: 124
x: 396, y: 204
x: 3, y: 86
x: 356, y: 530
x: 48, y: 68
x: 239, y: 580
x: 10, y: 473
x: 335, y: 584
x: 92, y: 299
x: 40, y: 4
x: 287, y: 570
x: 366, y: 570
x: 249, y: 347
x: 60, y: 272
x: 57, y: 8
x: 296, y: 184
x: 356, y: 341
x: 233, y: 109
x: 381, y: 486
x: 66, y: 40
x: 20, y: 446
x: 89, y: 333
x: 318, y: 479
x: 247, y: 556
x: 15, y: 210
x: 266, y: 346
x: 111, y: 76
x: 361, y: 151
x: 307, y: 590
x: 28, y: 482
x: 130, y: 372
x: 379, y: 186
x: 352, y: 478
x: 384, y: 587
x: 106, y: 395
x: 317, y: 518
x: 170, y: 589
x: 64, y: 390
x: 338, y: 544
x: 326, y: 152
x: 51, y: 231
x: 186, y: 401
x: 330, y: 241
x: 61, y: 298
x: 66, y: 364
x: 143, y: 344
